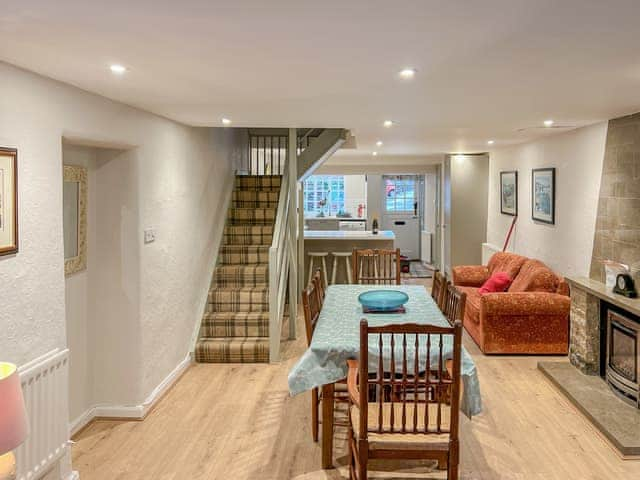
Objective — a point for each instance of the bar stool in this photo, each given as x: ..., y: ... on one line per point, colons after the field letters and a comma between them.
x: 323, y: 264
x: 347, y: 264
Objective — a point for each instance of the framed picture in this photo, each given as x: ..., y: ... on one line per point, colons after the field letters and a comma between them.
x: 543, y: 195
x: 8, y: 201
x: 509, y: 193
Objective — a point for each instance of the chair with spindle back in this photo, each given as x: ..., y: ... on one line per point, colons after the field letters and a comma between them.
x: 317, y: 282
x: 312, y: 300
x: 422, y: 422
x: 454, y: 304
x: 376, y: 267
x: 311, y: 307
x: 438, y: 288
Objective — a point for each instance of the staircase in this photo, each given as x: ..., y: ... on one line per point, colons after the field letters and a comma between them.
x: 235, y: 326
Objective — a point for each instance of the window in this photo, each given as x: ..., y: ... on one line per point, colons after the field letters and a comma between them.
x: 323, y: 195
x: 400, y: 193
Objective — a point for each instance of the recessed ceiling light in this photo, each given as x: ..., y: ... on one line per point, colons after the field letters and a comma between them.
x: 490, y: 142
x: 388, y: 123
x: 548, y: 123
x: 375, y: 154
x: 117, y: 69
x: 379, y: 143
x: 407, y: 73
x: 226, y: 121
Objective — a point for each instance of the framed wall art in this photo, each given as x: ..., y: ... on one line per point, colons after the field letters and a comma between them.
x: 74, y: 207
x: 509, y: 193
x: 8, y: 201
x: 543, y: 195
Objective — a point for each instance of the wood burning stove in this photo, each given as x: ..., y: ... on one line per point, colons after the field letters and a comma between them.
x: 622, y: 365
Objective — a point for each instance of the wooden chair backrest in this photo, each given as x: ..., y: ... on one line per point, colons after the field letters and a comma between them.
x: 376, y: 267
x: 438, y: 288
x: 317, y: 282
x: 454, y: 304
x: 414, y: 349
x: 311, y: 307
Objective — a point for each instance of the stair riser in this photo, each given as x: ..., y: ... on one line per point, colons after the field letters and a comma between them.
x: 247, y: 352
x: 254, y: 199
x: 248, y: 239
x: 235, y: 328
x: 241, y: 275
x: 262, y: 183
x: 244, y: 257
x: 238, y: 301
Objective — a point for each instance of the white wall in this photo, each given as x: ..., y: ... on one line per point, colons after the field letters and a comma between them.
x: 147, y: 299
x: 577, y: 156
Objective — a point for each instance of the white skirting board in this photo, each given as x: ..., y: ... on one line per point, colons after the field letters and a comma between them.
x: 134, y: 412
x: 488, y: 250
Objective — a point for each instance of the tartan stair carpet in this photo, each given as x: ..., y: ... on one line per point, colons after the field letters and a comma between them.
x: 235, y: 326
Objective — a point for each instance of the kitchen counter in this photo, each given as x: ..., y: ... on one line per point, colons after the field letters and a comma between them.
x: 348, y: 235
x: 342, y: 241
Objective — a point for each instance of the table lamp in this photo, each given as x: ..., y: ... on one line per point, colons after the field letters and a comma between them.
x: 13, y: 419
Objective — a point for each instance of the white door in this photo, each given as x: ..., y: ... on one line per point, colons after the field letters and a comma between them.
x: 401, y: 212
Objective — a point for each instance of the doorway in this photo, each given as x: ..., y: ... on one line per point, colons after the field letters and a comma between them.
x: 402, y: 206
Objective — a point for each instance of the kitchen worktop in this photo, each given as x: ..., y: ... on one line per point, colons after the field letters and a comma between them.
x: 348, y: 235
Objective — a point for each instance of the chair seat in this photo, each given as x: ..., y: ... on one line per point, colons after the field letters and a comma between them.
x: 341, y: 254
x: 404, y: 441
x: 318, y: 254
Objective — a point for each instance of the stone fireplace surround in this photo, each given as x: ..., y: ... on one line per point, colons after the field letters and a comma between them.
x: 580, y: 380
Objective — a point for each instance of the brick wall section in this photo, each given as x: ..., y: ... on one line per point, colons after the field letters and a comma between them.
x: 617, y: 235
x: 584, y: 347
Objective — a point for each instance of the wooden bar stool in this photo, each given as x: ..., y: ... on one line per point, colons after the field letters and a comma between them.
x: 347, y: 263
x: 323, y: 265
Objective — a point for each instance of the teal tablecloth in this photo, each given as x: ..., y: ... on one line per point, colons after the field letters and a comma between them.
x: 337, y: 339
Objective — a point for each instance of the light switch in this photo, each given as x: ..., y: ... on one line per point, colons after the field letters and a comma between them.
x: 149, y: 235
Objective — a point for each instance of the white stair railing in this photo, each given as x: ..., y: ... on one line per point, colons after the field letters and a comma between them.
x: 279, y: 262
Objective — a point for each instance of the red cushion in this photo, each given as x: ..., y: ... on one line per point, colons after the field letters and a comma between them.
x: 498, y: 282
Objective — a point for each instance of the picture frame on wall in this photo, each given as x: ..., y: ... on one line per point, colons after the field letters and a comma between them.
x: 543, y: 195
x: 509, y: 193
x: 8, y: 201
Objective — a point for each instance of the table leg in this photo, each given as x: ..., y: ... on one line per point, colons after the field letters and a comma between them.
x: 327, y: 425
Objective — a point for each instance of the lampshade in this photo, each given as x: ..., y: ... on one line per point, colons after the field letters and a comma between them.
x: 13, y: 417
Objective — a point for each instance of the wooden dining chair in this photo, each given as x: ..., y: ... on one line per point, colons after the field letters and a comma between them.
x: 454, y: 304
x: 312, y: 300
x: 319, y: 285
x: 439, y: 288
x: 420, y: 426
x: 376, y: 267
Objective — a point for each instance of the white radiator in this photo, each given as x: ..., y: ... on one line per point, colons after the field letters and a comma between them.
x: 44, y: 386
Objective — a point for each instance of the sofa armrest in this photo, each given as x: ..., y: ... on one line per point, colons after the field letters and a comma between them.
x: 470, y: 275
x: 524, y: 303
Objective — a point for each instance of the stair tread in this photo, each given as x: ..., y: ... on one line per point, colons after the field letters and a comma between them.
x: 232, y: 350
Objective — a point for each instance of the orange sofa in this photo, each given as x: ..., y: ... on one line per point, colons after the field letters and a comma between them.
x: 531, y: 317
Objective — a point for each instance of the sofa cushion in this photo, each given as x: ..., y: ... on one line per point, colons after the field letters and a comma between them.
x: 498, y: 282
x: 535, y: 276
x: 472, y: 305
x: 506, y: 262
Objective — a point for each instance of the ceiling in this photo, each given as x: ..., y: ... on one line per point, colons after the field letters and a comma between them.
x: 486, y: 69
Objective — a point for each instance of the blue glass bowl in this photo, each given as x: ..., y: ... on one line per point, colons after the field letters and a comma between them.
x: 383, y: 300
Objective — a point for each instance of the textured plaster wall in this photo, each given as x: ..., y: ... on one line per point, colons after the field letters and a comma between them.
x: 577, y: 156
x: 145, y: 301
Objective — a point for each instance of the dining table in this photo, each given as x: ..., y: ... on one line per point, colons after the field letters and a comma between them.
x: 336, y: 339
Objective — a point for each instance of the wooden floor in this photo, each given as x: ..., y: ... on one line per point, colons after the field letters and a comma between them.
x: 238, y: 422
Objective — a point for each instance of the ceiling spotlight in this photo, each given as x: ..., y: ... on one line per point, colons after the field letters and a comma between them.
x: 379, y: 143
x: 117, y: 69
x: 375, y: 154
x: 407, y: 73
x: 388, y: 123
x: 490, y: 142
x: 548, y: 123
x: 226, y: 121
